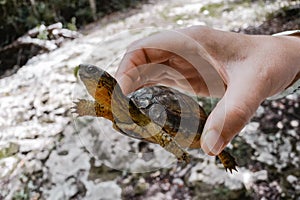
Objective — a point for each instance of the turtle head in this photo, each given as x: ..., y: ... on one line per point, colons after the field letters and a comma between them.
x: 98, y: 83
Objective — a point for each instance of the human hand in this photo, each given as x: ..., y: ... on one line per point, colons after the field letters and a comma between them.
x: 242, y: 69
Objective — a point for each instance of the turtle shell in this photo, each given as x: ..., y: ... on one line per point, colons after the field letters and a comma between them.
x: 178, y: 114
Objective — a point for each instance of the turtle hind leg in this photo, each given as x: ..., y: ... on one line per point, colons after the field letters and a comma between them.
x: 84, y: 107
x: 169, y: 143
x: 228, y: 161
x: 153, y: 133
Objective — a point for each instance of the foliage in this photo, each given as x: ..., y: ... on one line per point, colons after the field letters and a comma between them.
x: 17, y: 17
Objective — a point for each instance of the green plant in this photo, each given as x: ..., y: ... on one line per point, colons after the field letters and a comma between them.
x: 17, y: 17
x: 72, y: 25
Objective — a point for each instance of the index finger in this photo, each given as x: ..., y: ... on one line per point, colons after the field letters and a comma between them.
x: 132, y: 64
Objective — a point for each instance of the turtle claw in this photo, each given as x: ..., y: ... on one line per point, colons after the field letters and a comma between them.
x: 230, y: 169
x: 74, y: 109
x: 184, y: 158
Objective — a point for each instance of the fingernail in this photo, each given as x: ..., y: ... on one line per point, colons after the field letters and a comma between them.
x: 213, y: 141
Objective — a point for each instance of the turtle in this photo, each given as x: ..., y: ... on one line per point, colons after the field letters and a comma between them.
x: 156, y: 114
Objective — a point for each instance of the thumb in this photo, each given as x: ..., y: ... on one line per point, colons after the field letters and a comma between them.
x: 228, y: 118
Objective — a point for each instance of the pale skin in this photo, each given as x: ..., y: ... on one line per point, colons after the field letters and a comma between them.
x: 243, y: 70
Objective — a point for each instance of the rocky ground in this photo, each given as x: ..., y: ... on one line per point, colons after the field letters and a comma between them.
x: 47, y: 153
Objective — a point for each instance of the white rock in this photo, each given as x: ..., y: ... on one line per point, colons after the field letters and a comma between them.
x: 7, y: 165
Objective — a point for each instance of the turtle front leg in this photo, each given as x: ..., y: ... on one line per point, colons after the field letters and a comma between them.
x: 91, y: 108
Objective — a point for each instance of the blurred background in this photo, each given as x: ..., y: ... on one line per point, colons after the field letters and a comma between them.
x: 47, y: 153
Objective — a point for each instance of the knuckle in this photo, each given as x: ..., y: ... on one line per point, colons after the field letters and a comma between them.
x: 242, y: 112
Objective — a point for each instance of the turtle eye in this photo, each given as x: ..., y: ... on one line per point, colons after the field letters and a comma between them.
x: 91, y: 69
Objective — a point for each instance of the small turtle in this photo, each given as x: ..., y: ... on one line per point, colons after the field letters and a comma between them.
x: 156, y: 114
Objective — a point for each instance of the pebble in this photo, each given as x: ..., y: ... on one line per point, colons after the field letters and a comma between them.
x: 291, y: 179
x: 178, y: 181
x: 294, y: 123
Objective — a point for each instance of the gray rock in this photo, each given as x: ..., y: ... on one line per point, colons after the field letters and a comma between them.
x: 210, y: 174
x: 104, y: 191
